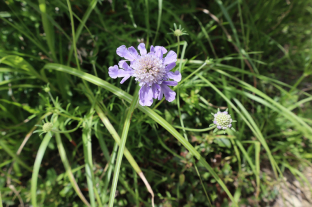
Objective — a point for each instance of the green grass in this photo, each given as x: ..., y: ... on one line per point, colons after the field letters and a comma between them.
x: 253, y: 58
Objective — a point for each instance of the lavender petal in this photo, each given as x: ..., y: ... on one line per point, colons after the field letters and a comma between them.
x: 152, y: 49
x: 164, y: 50
x: 170, y: 66
x: 133, y: 51
x: 142, y: 49
x: 146, y: 96
x: 124, y: 79
x: 121, y: 62
x: 113, y: 71
x: 175, y: 75
x: 170, y: 58
x: 159, y: 54
x: 126, y: 66
x: 170, y: 83
x: 165, y: 90
x: 122, y: 51
x: 155, y: 90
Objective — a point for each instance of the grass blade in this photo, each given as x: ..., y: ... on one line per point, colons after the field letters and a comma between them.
x: 159, y: 19
x: 68, y: 169
x: 178, y: 91
x: 48, y: 29
x: 122, y: 146
x: 127, y: 154
x: 304, y: 127
x: 34, y: 178
x: 87, y: 150
x: 76, y: 34
x: 257, y: 158
x: 147, y: 22
x: 13, y: 155
x: 102, y: 142
x: 109, y: 172
x: 26, y: 35
x: 0, y: 200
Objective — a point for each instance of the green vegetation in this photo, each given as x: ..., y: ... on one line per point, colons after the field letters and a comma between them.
x: 72, y: 136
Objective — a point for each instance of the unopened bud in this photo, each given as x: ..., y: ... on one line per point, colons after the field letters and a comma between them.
x: 46, y: 89
x: 177, y: 32
x: 47, y: 127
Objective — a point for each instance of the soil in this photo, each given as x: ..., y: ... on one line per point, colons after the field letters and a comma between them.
x: 297, y: 193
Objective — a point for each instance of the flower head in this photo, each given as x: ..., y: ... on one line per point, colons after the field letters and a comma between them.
x: 151, y: 70
x: 222, y: 121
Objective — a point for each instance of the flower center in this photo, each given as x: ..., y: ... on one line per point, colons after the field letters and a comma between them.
x: 149, y: 69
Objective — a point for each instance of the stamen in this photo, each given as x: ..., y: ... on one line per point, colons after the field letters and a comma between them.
x: 149, y: 69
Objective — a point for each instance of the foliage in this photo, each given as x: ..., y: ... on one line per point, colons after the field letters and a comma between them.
x: 252, y: 57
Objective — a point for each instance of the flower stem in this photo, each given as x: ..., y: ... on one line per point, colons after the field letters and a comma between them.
x: 122, y: 146
x: 68, y: 131
x: 178, y: 89
x: 298, y: 82
x: 195, y: 130
x: 178, y: 50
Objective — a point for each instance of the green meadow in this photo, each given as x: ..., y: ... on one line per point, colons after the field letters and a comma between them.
x: 74, y: 133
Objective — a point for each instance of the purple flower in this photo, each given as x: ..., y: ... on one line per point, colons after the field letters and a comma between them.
x: 151, y: 70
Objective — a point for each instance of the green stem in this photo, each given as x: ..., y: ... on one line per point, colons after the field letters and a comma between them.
x: 97, y: 196
x: 48, y: 28
x: 147, y: 22
x: 67, y: 131
x: 202, y: 184
x: 87, y: 151
x: 122, y: 146
x: 159, y: 19
x: 178, y: 89
x: 127, y: 154
x: 0, y: 200
x: 135, y: 177
x: 79, y: 29
x: 73, y: 31
x: 195, y: 130
x: 109, y: 171
x: 178, y: 50
x: 116, y: 137
x: 68, y: 169
x: 34, y: 177
x: 71, y: 117
x: 298, y: 82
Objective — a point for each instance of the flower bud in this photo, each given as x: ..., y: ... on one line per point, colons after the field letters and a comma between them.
x: 47, y: 127
x: 177, y: 32
x: 46, y: 88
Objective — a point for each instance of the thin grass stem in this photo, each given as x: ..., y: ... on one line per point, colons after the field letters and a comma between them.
x: 122, y: 146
